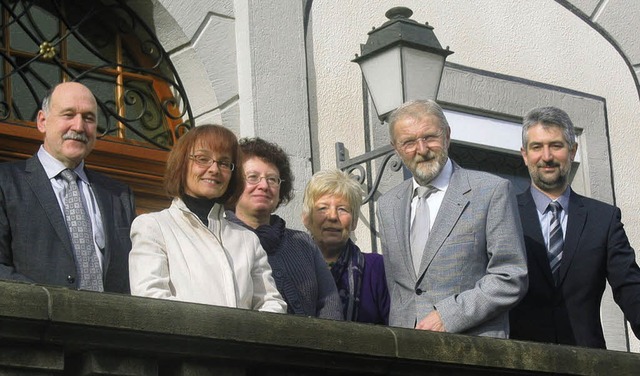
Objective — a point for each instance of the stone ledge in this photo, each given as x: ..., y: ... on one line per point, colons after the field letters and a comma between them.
x: 79, y: 322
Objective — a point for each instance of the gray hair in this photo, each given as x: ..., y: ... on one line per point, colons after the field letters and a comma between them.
x: 46, y: 101
x: 418, y: 109
x: 549, y: 117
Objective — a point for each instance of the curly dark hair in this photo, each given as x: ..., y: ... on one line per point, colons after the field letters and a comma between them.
x: 273, y: 154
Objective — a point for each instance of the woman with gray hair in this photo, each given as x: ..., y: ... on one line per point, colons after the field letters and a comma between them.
x: 330, y: 213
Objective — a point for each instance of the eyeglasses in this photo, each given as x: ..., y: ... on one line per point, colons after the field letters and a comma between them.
x: 254, y: 179
x: 409, y: 146
x: 205, y: 161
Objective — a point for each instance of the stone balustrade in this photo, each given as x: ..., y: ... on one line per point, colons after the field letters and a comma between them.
x: 55, y: 331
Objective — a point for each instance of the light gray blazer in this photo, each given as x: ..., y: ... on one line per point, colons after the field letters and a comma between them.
x: 474, y: 266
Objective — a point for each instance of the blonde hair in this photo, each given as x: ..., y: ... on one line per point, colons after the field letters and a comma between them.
x: 332, y: 182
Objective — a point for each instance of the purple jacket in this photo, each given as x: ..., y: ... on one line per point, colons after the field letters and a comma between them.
x: 374, y: 295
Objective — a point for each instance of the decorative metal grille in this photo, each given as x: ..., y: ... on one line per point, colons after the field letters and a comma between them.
x: 105, y: 45
x: 385, y: 155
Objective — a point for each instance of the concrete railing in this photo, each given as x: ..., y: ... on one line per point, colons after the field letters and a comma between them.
x: 51, y: 330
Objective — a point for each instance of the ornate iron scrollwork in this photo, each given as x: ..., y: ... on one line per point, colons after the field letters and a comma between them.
x: 353, y: 166
x: 103, y: 44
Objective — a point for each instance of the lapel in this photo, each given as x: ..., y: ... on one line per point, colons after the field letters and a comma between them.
x: 39, y: 183
x: 455, y: 201
x: 534, y: 240
x: 105, y: 204
x: 401, y: 219
x: 575, y: 225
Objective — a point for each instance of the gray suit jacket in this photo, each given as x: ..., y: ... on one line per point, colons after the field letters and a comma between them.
x: 474, y: 266
x: 34, y: 240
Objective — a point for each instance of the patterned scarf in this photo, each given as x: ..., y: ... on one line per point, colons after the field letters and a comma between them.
x: 350, y: 261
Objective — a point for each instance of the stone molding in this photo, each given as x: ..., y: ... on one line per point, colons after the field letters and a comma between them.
x: 53, y: 330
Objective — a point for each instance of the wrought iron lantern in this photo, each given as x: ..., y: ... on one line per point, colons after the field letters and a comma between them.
x: 402, y: 60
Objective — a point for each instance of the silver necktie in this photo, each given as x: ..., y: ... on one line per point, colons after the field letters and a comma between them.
x: 79, y: 224
x: 420, y: 226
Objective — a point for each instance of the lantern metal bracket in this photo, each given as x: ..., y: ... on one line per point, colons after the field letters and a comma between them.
x: 362, y: 174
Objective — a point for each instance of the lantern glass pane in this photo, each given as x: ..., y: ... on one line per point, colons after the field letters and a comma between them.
x: 383, y: 76
x: 421, y: 73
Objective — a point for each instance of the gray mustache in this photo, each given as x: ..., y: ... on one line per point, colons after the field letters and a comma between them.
x: 431, y: 155
x: 71, y: 135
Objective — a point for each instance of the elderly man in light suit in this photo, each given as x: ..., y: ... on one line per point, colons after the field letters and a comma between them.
x: 454, y: 257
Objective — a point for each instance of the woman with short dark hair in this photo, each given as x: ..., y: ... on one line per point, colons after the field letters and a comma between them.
x: 300, y: 273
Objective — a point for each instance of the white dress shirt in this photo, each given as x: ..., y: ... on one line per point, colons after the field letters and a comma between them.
x: 544, y: 214
x: 435, y: 199
x: 52, y: 168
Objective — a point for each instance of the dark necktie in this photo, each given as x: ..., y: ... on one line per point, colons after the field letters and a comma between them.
x: 556, y: 243
x: 79, y: 225
x: 420, y: 226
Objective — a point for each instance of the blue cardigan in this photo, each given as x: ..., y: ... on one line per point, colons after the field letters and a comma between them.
x: 301, y: 274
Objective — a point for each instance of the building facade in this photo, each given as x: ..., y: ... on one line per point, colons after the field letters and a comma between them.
x: 281, y: 70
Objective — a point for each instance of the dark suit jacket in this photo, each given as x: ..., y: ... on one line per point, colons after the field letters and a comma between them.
x: 596, y: 249
x: 34, y: 240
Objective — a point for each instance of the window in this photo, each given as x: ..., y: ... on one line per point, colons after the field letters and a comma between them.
x: 106, y: 46
x: 487, y: 144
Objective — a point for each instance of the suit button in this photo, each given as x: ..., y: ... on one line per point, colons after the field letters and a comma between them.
x: 419, y: 291
x: 71, y: 280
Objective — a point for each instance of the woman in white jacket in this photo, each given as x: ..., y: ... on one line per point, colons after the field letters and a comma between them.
x: 190, y: 252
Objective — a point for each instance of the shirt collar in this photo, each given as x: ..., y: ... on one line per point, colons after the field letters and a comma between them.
x: 542, y: 201
x: 441, y: 181
x: 53, y: 167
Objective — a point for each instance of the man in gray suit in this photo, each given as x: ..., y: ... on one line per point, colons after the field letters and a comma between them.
x: 454, y: 257
x: 36, y: 210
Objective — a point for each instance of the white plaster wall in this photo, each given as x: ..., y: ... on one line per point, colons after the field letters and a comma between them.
x: 200, y: 38
x: 540, y: 41
x: 272, y: 85
x: 243, y: 65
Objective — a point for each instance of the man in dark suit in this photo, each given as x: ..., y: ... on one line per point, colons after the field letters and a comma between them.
x: 454, y: 257
x: 36, y: 242
x: 574, y: 244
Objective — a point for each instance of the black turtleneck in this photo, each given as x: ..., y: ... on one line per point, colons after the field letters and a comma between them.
x: 201, y: 207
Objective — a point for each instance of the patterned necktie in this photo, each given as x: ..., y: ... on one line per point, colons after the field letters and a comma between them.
x: 556, y: 243
x: 420, y: 226
x: 79, y: 224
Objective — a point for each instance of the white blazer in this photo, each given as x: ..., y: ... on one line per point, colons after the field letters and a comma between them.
x: 175, y: 256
